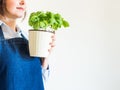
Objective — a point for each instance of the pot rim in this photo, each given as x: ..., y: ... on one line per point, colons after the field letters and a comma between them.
x: 41, y: 30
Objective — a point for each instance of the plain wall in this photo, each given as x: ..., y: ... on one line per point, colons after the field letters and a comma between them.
x: 87, y: 54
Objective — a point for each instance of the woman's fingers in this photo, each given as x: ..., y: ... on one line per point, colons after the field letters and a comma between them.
x: 52, y: 44
x: 53, y: 37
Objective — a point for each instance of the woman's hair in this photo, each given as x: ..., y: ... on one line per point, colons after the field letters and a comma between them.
x: 3, y: 6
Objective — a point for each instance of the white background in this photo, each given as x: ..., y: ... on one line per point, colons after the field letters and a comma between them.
x: 87, y: 54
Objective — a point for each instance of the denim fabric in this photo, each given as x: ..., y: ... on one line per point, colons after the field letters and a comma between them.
x: 18, y: 71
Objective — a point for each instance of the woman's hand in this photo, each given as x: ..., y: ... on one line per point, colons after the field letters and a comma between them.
x: 52, y: 45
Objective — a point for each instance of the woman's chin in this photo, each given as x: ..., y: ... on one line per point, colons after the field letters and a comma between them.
x: 20, y: 16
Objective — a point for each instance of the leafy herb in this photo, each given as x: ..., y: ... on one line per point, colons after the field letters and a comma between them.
x: 44, y: 20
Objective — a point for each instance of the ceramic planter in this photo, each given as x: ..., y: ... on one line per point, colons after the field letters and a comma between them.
x: 39, y: 42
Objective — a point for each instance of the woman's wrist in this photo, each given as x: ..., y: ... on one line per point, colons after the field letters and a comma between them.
x: 44, y: 63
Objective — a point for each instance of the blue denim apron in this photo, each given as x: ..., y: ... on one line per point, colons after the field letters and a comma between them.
x: 18, y: 71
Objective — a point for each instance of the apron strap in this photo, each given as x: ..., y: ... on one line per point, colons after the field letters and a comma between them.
x: 1, y: 34
x: 23, y: 36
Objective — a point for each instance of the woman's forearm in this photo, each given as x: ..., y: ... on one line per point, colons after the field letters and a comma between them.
x: 44, y: 63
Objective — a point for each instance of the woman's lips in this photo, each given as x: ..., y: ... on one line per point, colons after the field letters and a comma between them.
x: 20, y: 8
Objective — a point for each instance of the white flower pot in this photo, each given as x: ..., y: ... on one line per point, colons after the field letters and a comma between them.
x: 39, y: 42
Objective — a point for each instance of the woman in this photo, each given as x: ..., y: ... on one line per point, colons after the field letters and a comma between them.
x: 18, y: 71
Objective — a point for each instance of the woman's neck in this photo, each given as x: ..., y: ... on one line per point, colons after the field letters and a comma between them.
x: 10, y: 22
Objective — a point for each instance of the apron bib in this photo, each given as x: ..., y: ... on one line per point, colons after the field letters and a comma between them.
x: 18, y: 71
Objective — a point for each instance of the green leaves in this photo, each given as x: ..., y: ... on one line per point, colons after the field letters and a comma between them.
x: 46, y: 20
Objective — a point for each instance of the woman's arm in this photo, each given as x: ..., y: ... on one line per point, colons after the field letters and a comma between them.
x: 45, y: 69
x: 45, y: 61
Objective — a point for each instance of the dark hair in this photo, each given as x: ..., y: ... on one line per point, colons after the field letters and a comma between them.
x: 2, y: 5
